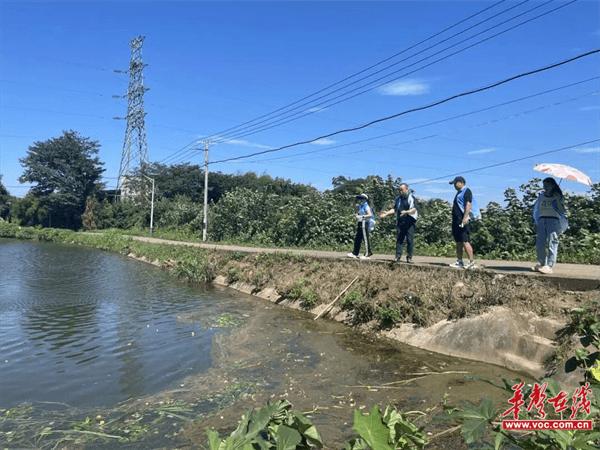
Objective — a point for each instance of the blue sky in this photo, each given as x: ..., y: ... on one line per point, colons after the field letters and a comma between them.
x: 213, y: 65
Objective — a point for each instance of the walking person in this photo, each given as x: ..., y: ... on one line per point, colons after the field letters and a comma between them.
x: 406, y: 218
x: 365, y: 222
x: 462, y: 207
x: 550, y: 219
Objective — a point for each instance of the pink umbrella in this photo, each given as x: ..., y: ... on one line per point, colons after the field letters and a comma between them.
x: 565, y: 172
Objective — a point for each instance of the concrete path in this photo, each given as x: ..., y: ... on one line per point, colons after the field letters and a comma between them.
x: 572, y: 276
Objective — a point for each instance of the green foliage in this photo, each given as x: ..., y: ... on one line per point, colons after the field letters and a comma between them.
x: 300, y: 291
x: 480, y: 425
x: 179, y: 213
x: 274, y: 426
x: 389, y: 314
x: 476, y: 420
x: 363, y: 312
x: 5, y: 201
x: 351, y: 299
x: 261, y: 210
x: 226, y: 320
x: 66, y: 171
x: 584, y: 323
x: 233, y: 275
x: 389, y: 431
x: 196, y: 268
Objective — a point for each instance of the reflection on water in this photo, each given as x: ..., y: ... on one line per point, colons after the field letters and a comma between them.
x: 92, y: 329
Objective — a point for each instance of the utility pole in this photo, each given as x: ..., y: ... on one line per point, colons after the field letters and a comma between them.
x: 205, y: 229
x: 151, y: 203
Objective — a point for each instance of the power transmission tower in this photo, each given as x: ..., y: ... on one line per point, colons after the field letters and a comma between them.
x: 135, y: 146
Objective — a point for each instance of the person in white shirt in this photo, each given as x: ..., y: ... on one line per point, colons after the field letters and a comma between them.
x: 550, y: 219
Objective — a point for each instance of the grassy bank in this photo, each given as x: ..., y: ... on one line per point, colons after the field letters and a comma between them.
x: 384, y: 296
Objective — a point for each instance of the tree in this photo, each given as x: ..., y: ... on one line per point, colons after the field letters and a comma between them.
x: 66, y: 171
x: 4, y: 201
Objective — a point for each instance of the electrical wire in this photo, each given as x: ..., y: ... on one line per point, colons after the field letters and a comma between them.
x: 363, y: 70
x: 381, y: 81
x: 420, y: 108
x: 507, y: 162
x: 303, y: 114
x: 394, y: 146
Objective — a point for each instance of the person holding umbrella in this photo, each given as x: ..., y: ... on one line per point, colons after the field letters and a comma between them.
x: 549, y: 213
x: 549, y: 216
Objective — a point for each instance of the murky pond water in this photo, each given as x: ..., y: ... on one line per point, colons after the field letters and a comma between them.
x: 90, y: 334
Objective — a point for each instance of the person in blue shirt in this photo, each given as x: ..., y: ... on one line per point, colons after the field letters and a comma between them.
x: 365, y: 221
x: 406, y: 218
x: 461, y: 214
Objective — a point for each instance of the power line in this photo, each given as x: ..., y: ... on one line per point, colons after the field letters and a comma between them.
x: 436, y: 122
x: 184, y: 149
x: 363, y: 70
x: 439, y: 121
x: 324, y: 104
x: 443, y: 136
x: 303, y: 114
x: 371, y: 85
x: 504, y: 163
x: 351, y: 76
x: 420, y: 108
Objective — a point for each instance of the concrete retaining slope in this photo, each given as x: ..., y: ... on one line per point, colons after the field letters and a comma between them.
x: 518, y: 341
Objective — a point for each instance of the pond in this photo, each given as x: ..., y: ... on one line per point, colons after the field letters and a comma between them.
x: 88, y: 336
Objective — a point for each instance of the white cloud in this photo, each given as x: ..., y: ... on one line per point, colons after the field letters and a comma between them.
x: 314, y: 110
x: 404, y: 87
x: 323, y: 142
x: 482, y: 151
x: 590, y: 108
x: 244, y: 143
x: 588, y: 150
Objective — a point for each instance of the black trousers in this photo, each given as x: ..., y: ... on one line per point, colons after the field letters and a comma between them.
x: 405, y: 229
x: 362, y: 234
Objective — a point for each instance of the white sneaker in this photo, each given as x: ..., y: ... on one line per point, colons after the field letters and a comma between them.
x: 545, y: 270
x: 537, y: 267
x: 364, y: 257
x: 351, y: 255
x: 457, y: 265
x: 470, y: 265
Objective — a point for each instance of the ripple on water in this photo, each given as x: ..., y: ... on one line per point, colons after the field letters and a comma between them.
x: 88, y: 327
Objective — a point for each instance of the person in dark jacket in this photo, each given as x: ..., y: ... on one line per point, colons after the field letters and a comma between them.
x: 406, y: 218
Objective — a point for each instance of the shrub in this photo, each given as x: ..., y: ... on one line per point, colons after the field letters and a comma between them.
x: 350, y: 300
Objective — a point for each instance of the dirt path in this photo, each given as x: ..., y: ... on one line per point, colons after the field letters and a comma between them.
x: 578, y: 276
